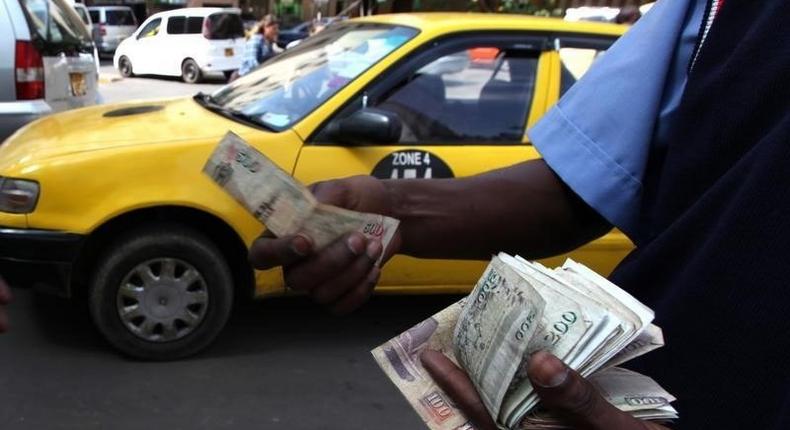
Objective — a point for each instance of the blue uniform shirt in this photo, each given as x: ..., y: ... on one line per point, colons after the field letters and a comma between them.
x: 599, y: 135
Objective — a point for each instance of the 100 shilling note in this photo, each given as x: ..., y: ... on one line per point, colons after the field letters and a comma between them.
x: 283, y: 204
x: 399, y: 358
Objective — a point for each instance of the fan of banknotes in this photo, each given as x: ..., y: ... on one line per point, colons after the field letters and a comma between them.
x: 281, y: 202
x: 517, y: 308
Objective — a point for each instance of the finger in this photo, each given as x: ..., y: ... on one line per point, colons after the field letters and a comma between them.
x: 327, y: 264
x: 459, y: 387
x: 356, y: 274
x: 574, y: 399
x: 267, y: 251
x: 330, y: 192
x: 359, y: 295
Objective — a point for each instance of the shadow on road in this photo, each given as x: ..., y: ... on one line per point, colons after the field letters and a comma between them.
x: 275, y: 324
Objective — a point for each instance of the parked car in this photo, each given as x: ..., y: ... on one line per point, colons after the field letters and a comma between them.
x: 111, y: 203
x: 113, y: 24
x: 184, y: 42
x: 302, y: 30
x: 47, y: 62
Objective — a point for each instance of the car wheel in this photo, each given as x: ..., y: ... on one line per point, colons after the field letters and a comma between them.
x: 161, y: 293
x: 229, y: 75
x: 190, y: 72
x: 125, y: 67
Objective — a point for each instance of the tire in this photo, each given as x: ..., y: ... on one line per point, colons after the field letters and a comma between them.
x: 125, y: 67
x: 229, y: 75
x: 190, y: 71
x: 161, y: 316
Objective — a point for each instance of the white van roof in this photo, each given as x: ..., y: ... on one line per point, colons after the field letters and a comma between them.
x: 197, y: 11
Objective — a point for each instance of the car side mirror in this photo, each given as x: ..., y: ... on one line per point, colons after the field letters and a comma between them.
x: 366, y: 126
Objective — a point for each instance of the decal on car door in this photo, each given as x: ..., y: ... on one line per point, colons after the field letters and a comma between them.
x: 412, y: 164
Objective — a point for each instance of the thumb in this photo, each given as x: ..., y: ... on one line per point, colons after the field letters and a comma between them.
x: 573, y: 399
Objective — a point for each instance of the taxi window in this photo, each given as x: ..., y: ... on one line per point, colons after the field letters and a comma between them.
x: 577, y: 55
x: 473, y: 90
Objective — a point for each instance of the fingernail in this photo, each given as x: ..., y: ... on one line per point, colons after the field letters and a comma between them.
x: 356, y: 244
x: 374, y: 250
x: 301, y: 245
x: 547, y: 370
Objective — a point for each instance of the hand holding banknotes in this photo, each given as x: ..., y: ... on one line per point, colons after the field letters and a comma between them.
x: 343, y: 274
x: 562, y: 390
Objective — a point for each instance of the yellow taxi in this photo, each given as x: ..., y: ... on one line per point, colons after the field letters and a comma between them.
x: 109, y: 202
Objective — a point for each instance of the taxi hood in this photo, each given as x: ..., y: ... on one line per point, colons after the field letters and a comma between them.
x: 116, y: 125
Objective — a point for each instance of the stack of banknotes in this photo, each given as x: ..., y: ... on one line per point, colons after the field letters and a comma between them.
x: 282, y: 203
x: 517, y: 308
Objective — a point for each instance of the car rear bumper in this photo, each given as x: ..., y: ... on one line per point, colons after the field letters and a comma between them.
x: 14, y: 115
x: 220, y: 64
x: 42, y: 258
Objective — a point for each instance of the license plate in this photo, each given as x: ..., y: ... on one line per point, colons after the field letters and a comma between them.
x: 78, y: 86
x: 228, y: 52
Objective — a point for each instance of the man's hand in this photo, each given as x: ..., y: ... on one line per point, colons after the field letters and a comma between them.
x: 342, y: 275
x: 5, y: 299
x: 561, y: 390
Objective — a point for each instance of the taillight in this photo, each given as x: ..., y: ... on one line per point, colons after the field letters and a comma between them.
x: 102, y: 30
x: 29, y: 72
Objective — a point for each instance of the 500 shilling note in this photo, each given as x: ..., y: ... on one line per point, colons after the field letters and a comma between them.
x: 283, y: 204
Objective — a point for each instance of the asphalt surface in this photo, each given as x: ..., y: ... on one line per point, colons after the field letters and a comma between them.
x: 113, y: 88
x: 279, y: 364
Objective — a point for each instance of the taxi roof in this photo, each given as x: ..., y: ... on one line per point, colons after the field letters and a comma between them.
x: 444, y: 22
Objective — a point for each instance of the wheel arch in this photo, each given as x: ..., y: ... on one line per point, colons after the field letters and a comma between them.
x: 217, y: 230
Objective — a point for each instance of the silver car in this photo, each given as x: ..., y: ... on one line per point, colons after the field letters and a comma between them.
x: 47, y: 62
x: 113, y: 24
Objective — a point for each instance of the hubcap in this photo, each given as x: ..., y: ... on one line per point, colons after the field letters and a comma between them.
x: 190, y: 72
x: 162, y: 300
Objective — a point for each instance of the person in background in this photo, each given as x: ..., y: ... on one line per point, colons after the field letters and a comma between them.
x: 628, y: 15
x: 261, y: 46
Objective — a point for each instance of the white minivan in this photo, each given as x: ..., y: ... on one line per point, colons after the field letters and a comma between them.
x: 184, y: 42
x: 47, y: 62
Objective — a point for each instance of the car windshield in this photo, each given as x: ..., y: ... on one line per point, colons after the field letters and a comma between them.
x: 56, y: 24
x: 289, y: 86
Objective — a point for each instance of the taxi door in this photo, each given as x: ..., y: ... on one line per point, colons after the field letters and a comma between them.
x: 464, y: 103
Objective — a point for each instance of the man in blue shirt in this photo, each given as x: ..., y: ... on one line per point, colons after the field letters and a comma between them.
x: 686, y: 153
x: 261, y: 45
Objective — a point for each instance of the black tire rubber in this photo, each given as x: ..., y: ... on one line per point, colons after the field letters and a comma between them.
x: 126, y: 72
x: 190, y: 71
x: 228, y: 75
x: 146, y: 243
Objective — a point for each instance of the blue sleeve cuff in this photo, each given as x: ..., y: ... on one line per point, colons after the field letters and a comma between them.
x: 589, y: 171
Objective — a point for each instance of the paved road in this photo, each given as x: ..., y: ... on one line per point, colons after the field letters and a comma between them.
x: 279, y: 364
x: 115, y: 89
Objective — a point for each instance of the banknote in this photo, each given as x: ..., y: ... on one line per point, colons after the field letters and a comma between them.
x: 519, y: 307
x: 281, y: 203
x: 399, y: 358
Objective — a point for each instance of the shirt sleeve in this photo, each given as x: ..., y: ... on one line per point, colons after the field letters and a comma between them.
x: 598, y: 136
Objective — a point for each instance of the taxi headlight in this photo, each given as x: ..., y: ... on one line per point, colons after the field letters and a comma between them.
x: 18, y: 196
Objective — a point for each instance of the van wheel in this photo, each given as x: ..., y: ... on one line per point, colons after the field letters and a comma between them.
x: 190, y: 72
x: 161, y: 292
x: 125, y: 67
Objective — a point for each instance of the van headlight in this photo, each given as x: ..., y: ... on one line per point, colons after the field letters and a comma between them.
x: 18, y: 196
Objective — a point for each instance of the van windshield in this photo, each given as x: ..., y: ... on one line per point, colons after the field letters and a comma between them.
x: 225, y: 26
x: 120, y: 17
x: 56, y: 26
